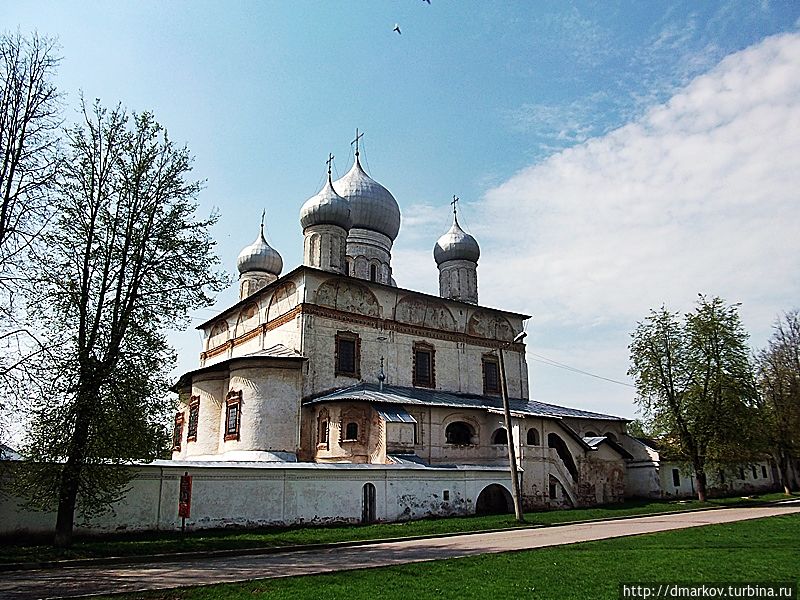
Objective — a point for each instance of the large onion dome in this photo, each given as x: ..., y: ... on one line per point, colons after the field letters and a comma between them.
x: 456, y: 244
x: 372, y: 206
x: 327, y: 208
x: 260, y: 256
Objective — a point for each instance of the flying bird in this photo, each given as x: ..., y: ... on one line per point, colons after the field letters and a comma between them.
x: 428, y: 1
x: 397, y: 29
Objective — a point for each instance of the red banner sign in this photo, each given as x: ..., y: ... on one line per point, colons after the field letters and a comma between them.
x: 185, y: 496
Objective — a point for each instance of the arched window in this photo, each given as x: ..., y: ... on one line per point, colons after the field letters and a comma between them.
x: 500, y: 436
x: 322, y: 432
x: 610, y: 436
x: 533, y: 437
x: 590, y: 433
x: 351, y: 432
x: 459, y: 433
x: 373, y: 273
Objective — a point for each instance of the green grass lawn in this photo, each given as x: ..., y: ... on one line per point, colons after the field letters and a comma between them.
x: 761, y: 550
x: 170, y: 542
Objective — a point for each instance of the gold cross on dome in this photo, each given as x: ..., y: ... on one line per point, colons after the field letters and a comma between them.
x: 454, y: 202
x: 329, y: 162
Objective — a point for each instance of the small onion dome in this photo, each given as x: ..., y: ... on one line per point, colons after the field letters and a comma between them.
x: 456, y: 244
x: 327, y: 207
x: 260, y: 256
x: 372, y: 206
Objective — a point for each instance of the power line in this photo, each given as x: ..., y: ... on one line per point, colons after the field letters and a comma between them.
x: 553, y: 363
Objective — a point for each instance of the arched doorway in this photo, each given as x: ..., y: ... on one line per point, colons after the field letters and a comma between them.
x: 494, y: 499
x: 368, y: 503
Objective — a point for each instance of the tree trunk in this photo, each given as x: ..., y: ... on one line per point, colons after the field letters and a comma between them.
x: 700, y: 476
x: 70, y: 478
x: 67, y: 496
x: 783, y: 472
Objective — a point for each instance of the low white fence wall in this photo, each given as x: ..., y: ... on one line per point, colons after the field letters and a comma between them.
x: 263, y: 494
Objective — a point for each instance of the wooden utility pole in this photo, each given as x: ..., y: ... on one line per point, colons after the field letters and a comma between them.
x: 512, y: 453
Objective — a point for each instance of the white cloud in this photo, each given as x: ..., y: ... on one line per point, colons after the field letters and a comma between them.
x: 698, y: 195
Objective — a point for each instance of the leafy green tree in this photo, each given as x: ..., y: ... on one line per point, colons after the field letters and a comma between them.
x: 124, y: 259
x: 695, y: 383
x: 778, y: 375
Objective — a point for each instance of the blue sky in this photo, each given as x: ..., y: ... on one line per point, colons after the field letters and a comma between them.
x: 610, y: 157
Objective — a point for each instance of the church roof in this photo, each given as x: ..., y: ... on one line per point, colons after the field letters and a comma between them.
x: 276, y: 352
x: 392, y: 394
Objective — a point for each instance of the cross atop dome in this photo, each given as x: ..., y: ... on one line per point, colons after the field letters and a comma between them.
x: 355, y: 141
x: 330, y: 162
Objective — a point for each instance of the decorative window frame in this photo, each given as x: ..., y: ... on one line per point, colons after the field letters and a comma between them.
x: 233, y: 399
x: 349, y: 336
x: 430, y: 349
x: 193, y: 420
x: 177, y: 432
x: 490, y: 358
x: 352, y: 416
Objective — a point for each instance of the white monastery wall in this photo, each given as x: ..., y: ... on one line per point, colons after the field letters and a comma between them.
x: 271, y: 494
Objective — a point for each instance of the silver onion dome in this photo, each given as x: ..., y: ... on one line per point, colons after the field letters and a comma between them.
x: 327, y: 207
x: 372, y: 206
x: 260, y: 256
x: 456, y: 244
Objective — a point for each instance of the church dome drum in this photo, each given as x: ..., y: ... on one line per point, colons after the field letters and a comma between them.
x: 260, y: 256
x: 326, y: 208
x: 372, y: 206
x: 456, y: 244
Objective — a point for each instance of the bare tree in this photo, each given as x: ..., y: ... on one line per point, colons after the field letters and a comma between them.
x: 29, y: 161
x: 125, y: 259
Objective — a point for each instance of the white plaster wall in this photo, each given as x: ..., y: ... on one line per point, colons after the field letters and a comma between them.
x: 457, y: 365
x: 270, y: 407
x: 256, y: 495
x: 211, y: 390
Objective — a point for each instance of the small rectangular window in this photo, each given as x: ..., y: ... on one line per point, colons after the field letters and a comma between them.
x: 424, y: 366
x: 755, y: 473
x: 233, y: 415
x: 347, y: 354
x: 741, y: 473
x: 676, y: 477
x: 491, y: 376
x: 194, y: 418
x: 763, y: 471
x: 446, y: 495
x: 722, y: 475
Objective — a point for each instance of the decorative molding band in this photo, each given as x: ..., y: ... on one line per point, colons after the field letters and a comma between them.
x: 375, y: 322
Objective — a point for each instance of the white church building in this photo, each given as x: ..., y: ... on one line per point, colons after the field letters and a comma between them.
x: 331, y: 394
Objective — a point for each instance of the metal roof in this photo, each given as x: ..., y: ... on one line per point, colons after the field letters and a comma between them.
x: 393, y: 414
x: 594, y: 442
x: 392, y: 394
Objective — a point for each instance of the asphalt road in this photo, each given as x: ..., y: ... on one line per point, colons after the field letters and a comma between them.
x: 71, y: 582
